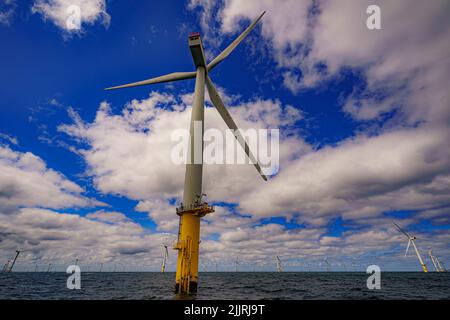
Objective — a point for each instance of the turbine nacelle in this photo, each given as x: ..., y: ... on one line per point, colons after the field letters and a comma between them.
x: 196, y: 47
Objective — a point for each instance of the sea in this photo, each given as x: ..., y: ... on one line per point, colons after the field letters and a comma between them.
x: 227, y: 286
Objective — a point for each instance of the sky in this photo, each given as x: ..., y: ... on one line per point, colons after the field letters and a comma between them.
x: 364, y: 120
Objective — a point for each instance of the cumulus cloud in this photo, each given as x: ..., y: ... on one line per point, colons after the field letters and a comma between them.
x: 161, y: 212
x: 359, y: 174
x: 403, y: 65
x: 8, y: 138
x: 404, y: 164
x: 30, y: 194
x: 130, y: 153
x: 25, y: 180
x: 60, y: 238
x: 61, y: 12
x: 360, y: 177
x: 110, y: 217
x: 7, y: 10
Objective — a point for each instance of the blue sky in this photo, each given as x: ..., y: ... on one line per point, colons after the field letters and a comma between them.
x: 367, y: 144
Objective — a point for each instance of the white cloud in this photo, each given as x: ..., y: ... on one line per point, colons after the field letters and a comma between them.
x: 130, y: 154
x: 59, y: 12
x: 403, y: 65
x: 8, y: 138
x: 285, y: 22
x: 25, y: 180
x: 392, y: 171
x: 106, y: 216
x: 161, y: 212
x: 7, y: 10
x: 404, y: 70
x: 359, y: 178
x: 60, y: 238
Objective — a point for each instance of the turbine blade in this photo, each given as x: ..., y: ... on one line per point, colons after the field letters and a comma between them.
x: 217, y: 101
x: 175, y: 76
x: 225, y: 53
x: 401, y: 230
x: 407, y: 248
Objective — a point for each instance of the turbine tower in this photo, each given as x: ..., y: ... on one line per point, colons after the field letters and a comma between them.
x: 236, y: 263
x: 433, y: 260
x: 411, y: 239
x: 441, y: 265
x: 166, y: 255
x: 14, y: 261
x: 279, y: 265
x: 328, y: 264
x: 193, y: 208
x: 5, y: 267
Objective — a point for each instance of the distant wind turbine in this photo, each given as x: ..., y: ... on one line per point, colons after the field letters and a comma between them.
x: 412, y: 239
x: 434, y: 261
x: 5, y: 267
x: 236, y: 264
x: 14, y: 261
x: 279, y: 265
x: 327, y: 263
x: 166, y: 255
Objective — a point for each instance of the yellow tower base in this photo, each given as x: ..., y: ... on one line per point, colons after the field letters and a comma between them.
x: 424, y: 267
x: 188, y: 247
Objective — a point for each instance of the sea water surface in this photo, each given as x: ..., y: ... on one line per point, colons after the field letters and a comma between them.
x: 227, y: 285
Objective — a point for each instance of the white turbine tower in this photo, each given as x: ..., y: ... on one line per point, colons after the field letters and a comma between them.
x: 433, y: 260
x: 166, y: 255
x: 236, y: 263
x: 10, y: 269
x: 412, y: 239
x: 193, y: 207
x: 279, y: 265
x: 327, y: 264
x: 441, y: 265
x: 5, y: 267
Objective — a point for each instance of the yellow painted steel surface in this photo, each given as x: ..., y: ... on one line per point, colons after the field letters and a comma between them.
x: 188, y: 250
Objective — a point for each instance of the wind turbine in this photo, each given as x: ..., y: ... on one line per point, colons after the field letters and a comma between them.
x: 433, y: 260
x: 327, y: 263
x: 441, y: 265
x: 166, y: 255
x: 412, y: 239
x: 14, y: 261
x: 192, y: 207
x: 236, y: 263
x: 279, y: 265
x: 5, y: 267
